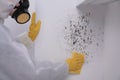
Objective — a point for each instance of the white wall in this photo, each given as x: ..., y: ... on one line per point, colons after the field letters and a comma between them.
x: 55, y: 15
x: 111, y: 55
x: 112, y: 42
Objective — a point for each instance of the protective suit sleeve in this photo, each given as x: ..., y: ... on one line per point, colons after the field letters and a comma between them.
x: 23, y: 38
x: 14, y: 63
x: 29, y: 44
x: 52, y: 71
x: 28, y: 38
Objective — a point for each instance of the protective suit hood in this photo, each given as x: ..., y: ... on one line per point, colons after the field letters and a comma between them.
x: 6, y: 7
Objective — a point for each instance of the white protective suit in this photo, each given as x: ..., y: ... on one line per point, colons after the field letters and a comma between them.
x: 15, y: 61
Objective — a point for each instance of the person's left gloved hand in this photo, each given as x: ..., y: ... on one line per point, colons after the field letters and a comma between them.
x: 75, y: 63
x: 34, y: 27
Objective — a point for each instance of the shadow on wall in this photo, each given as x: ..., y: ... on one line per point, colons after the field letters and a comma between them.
x: 109, y: 16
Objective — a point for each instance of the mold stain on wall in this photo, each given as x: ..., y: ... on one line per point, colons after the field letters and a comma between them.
x: 81, y: 36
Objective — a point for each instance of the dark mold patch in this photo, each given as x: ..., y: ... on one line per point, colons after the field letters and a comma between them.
x: 79, y: 34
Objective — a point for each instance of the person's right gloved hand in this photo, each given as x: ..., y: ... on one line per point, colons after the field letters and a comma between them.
x: 34, y: 27
x: 75, y: 63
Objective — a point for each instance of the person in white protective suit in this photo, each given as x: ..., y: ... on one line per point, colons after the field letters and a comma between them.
x: 16, y: 61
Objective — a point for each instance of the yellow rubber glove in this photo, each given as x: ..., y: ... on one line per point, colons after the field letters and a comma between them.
x: 34, y: 27
x: 75, y: 63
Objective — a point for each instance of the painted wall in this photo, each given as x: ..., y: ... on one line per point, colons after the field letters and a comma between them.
x: 112, y: 44
x: 53, y: 15
x: 111, y: 39
x: 51, y: 44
